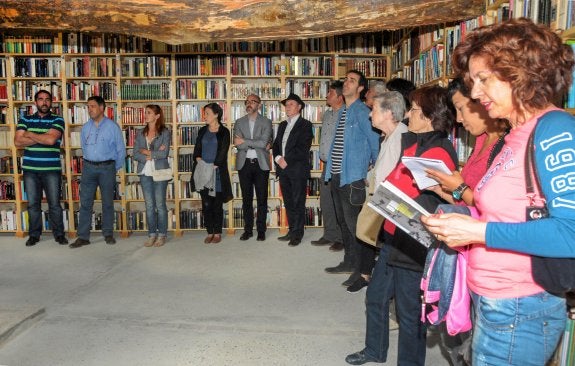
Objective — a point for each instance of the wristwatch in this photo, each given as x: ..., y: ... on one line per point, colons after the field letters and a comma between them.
x: 458, y: 192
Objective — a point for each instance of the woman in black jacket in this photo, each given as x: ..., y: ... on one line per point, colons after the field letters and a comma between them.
x: 211, y: 166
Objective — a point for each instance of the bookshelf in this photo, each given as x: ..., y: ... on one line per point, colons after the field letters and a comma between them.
x: 131, y: 72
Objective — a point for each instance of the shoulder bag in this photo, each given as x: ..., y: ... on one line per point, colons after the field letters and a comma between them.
x: 555, y: 275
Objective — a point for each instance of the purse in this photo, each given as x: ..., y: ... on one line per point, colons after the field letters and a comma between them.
x: 368, y: 226
x: 555, y: 275
x: 159, y: 175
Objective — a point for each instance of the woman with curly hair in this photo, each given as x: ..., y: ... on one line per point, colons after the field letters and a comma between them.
x: 516, y: 69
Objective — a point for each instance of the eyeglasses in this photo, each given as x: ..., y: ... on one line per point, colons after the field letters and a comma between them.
x: 251, y: 102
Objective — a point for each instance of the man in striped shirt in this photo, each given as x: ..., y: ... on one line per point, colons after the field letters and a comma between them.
x: 40, y: 136
x: 355, y: 148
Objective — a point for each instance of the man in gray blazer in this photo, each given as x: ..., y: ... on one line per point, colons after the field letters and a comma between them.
x: 252, y: 138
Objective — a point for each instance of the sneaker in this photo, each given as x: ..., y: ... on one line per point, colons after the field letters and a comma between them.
x: 357, y: 285
x: 150, y: 242
x: 79, y: 243
x: 160, y: 241
x: 340, y: 268
x: 61, y: 240
x: 110, y: 240
x: 32, y: 241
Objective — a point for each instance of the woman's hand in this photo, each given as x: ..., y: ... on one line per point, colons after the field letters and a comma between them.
x: 448, y: 182
x: 456, y: 230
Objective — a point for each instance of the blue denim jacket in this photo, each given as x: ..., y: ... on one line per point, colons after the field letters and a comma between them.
x: 361, y: 144
x: 442, y: 277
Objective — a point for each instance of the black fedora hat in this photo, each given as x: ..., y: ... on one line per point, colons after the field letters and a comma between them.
x: 295, y: 97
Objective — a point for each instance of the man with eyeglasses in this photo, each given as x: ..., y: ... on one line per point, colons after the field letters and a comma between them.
x: 104, y: 152
x: 40, y: 134
x: 252, y: 138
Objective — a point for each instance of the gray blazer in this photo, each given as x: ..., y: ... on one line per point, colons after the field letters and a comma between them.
x: 262, y: 137
x: 160, y: 156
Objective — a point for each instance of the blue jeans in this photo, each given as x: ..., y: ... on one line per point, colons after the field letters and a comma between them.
x: 51, y: 183
x: 155, y: 197
x: 517, y: 331
x: 403, y: 284
x: 93, y: 176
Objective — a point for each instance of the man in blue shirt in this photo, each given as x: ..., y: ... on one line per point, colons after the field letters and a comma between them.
x: 355, y: 147
x: 104, y: 152
x: 40, y: 135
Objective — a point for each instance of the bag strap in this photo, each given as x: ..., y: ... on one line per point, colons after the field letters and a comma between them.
x: 531, y: 170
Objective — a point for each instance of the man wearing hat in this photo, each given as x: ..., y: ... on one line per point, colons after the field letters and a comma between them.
x: 291, y: 155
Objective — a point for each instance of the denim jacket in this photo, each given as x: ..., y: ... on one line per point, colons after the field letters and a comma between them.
x: 160, y: 157
x: 360, y: 144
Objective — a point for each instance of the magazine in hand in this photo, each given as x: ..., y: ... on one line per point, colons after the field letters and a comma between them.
x: 390, y: 202
x: 417, y: 168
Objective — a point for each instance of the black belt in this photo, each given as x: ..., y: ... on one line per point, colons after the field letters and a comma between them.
x: 253, y: 161
x: 105, y: 162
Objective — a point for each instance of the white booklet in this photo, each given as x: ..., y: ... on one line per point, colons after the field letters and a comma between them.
x: 390, y: 202
x: 417, y: 168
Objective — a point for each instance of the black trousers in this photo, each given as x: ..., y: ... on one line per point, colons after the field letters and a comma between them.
x: 213, y: 211
x: 294, y: 194
x: 253, y: 177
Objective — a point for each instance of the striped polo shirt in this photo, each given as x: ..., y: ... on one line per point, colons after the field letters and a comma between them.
x: 38, y: 157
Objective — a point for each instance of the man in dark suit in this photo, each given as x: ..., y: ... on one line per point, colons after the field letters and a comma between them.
x: 291, y: 155
x: 252, y: 138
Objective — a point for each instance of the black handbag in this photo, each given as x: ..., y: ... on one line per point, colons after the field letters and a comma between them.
x: 555, y: 275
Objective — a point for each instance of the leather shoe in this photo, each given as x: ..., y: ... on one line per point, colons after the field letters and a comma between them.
x: 217, y: 238
x: 61, y: 240
x: 32, y: 241
x: 351, y: 280
x: 246, y: 235
x: 359, y: 358
x: 336, y: 247
x: 321, y: 241
x: 261, y: 236
x: 286, y: 237
x: 294, y: 242
x: 209, y: 239
x: 110, y: 240
x: 79, y: 243
x: 340, y: 268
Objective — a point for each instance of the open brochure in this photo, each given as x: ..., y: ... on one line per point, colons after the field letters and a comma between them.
x: 390, y: 202
x: 417, y: 168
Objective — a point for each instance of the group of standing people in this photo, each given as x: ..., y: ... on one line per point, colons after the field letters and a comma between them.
x: 510, y: 75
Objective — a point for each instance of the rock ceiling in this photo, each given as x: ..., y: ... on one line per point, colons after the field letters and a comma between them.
x: 194, y: 21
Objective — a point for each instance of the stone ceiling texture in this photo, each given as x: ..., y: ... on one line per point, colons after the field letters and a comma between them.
x: 194, y: 21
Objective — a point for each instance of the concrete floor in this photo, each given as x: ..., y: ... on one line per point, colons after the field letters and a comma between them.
x: 187, y: 303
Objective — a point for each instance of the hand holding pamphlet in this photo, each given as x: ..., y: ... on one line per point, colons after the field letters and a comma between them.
x: 390, y: 202
x: 417, y: 167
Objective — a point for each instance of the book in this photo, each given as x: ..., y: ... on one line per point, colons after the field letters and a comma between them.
x: 390, y: 202
x: 417, y: 167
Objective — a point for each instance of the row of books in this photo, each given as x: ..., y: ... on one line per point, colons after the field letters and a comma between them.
x: 193, y: 219
x: 82, y: 90
x: 96, y: 220
x: 200, y: 65
x: 149, y: 66
x: 371, y: 68
x: 200, y: 89
x: 310, y: 66
x: 374, y: 43
x: 310, y: 89
x: 35, y: 67
x: 7, y: 190
x: 24, y: 90
x: 3, y: 92
x: 6, y: 140
x: 256, y: 65
x: 91, y: 66
x: 427, y: 67
x: 266, y: 89
x: 148, y: 90
x: 274, y: 216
